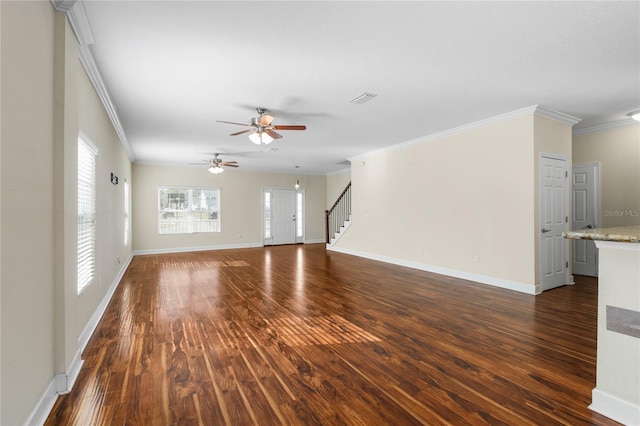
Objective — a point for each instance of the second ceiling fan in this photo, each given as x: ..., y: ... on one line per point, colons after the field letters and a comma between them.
x: 264, y: 131
x: 215, y: 164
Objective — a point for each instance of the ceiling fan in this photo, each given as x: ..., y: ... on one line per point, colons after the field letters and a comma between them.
x: 215, y: 164
x: 264, y: 131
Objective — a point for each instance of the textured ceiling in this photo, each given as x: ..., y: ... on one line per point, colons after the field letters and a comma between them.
x: 172, y: 68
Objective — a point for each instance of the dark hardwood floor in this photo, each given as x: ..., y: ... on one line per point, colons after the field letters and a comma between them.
x: 297, y: 335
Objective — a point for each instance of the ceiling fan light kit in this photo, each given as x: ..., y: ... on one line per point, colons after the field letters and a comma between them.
x: 264, y: 131
x: 215, y: 164
x: 260, y: 138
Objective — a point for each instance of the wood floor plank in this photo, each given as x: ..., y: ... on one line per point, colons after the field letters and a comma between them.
x: 296, y: 335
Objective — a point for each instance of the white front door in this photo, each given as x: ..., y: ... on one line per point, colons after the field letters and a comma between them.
x: 553, y: 176
x: 585, y: 202
x: 283, y: 216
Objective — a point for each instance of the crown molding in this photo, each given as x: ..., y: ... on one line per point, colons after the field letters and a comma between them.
x: 556, y: 115
x: 605, y: 127
x: 77, y: 17
x: 87, y: 61
x: 63, y: 5
x: 528, y: 111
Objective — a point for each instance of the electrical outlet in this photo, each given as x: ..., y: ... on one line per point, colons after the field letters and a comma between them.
x: 476, y: 259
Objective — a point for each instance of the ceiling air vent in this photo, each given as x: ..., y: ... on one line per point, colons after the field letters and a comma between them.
x: 362, y: 98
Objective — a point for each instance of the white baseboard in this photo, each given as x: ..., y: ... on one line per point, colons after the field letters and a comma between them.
x: 199, y: 248
x: 483, y: 279
x: 615, y: 408
x: 62, y: 383
x: 65, y: 381
x: 315, y: 241
x: 91, y: 325
x: 45, y: 403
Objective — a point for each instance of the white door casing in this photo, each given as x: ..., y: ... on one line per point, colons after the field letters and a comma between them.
x: 585, y: 195
x: 553, y: 177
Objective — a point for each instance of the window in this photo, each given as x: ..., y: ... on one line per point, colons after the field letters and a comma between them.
x: 188, y: 210
x: 299, y: 216
x: 267, y: 215
x: 126, y: 213
x: 86, y: 213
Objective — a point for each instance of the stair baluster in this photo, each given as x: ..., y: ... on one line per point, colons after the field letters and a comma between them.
x: 338, y: 214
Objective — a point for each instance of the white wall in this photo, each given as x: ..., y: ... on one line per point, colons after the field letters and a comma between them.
x: 27, y: 206
x: 0, y: 214
x: 336, y: 183
x: 95, y: 123
x: 550, y: 137
x: 241, y: 205
x: 454, y: 201
x: 618, y: 152
x: 463, y: 204
x: 46, y: 97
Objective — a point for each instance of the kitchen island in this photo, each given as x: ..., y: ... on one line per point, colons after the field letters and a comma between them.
x: 617, y: 391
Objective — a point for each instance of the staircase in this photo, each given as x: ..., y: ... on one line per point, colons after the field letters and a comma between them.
x: 338, y: 217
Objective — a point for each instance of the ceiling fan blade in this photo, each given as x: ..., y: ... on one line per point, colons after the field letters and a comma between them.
x: 231, y: 122
x: 230, y: 165
x: 265, y: 120
x: 199, y: 164
x: 241, y: 132
x: 289, y: 127
x: 273, y: 134
x: 226, y: 163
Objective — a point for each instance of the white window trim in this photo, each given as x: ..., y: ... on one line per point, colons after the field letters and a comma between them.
x: 192, y: 188
x: 127, y: 212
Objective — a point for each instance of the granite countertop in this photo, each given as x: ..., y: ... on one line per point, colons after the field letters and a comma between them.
x: 624, y: 234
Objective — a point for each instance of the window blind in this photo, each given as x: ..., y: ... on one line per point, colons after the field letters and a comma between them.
x: 86, y: 214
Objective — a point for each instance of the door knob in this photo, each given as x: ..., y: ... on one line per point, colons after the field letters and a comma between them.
x: 588, y: 227
x: 545, y: 230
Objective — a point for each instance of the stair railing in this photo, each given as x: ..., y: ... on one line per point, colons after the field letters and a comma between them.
x: 338, y: 214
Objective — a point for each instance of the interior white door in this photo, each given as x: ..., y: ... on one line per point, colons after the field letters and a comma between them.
x: 283, y: 216
x: 585, y: 202
x: 553, y: 176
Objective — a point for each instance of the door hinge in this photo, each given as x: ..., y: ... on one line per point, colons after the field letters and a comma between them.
x: 566, y: 174
x: 566, y: 219
x: 566, y: 264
